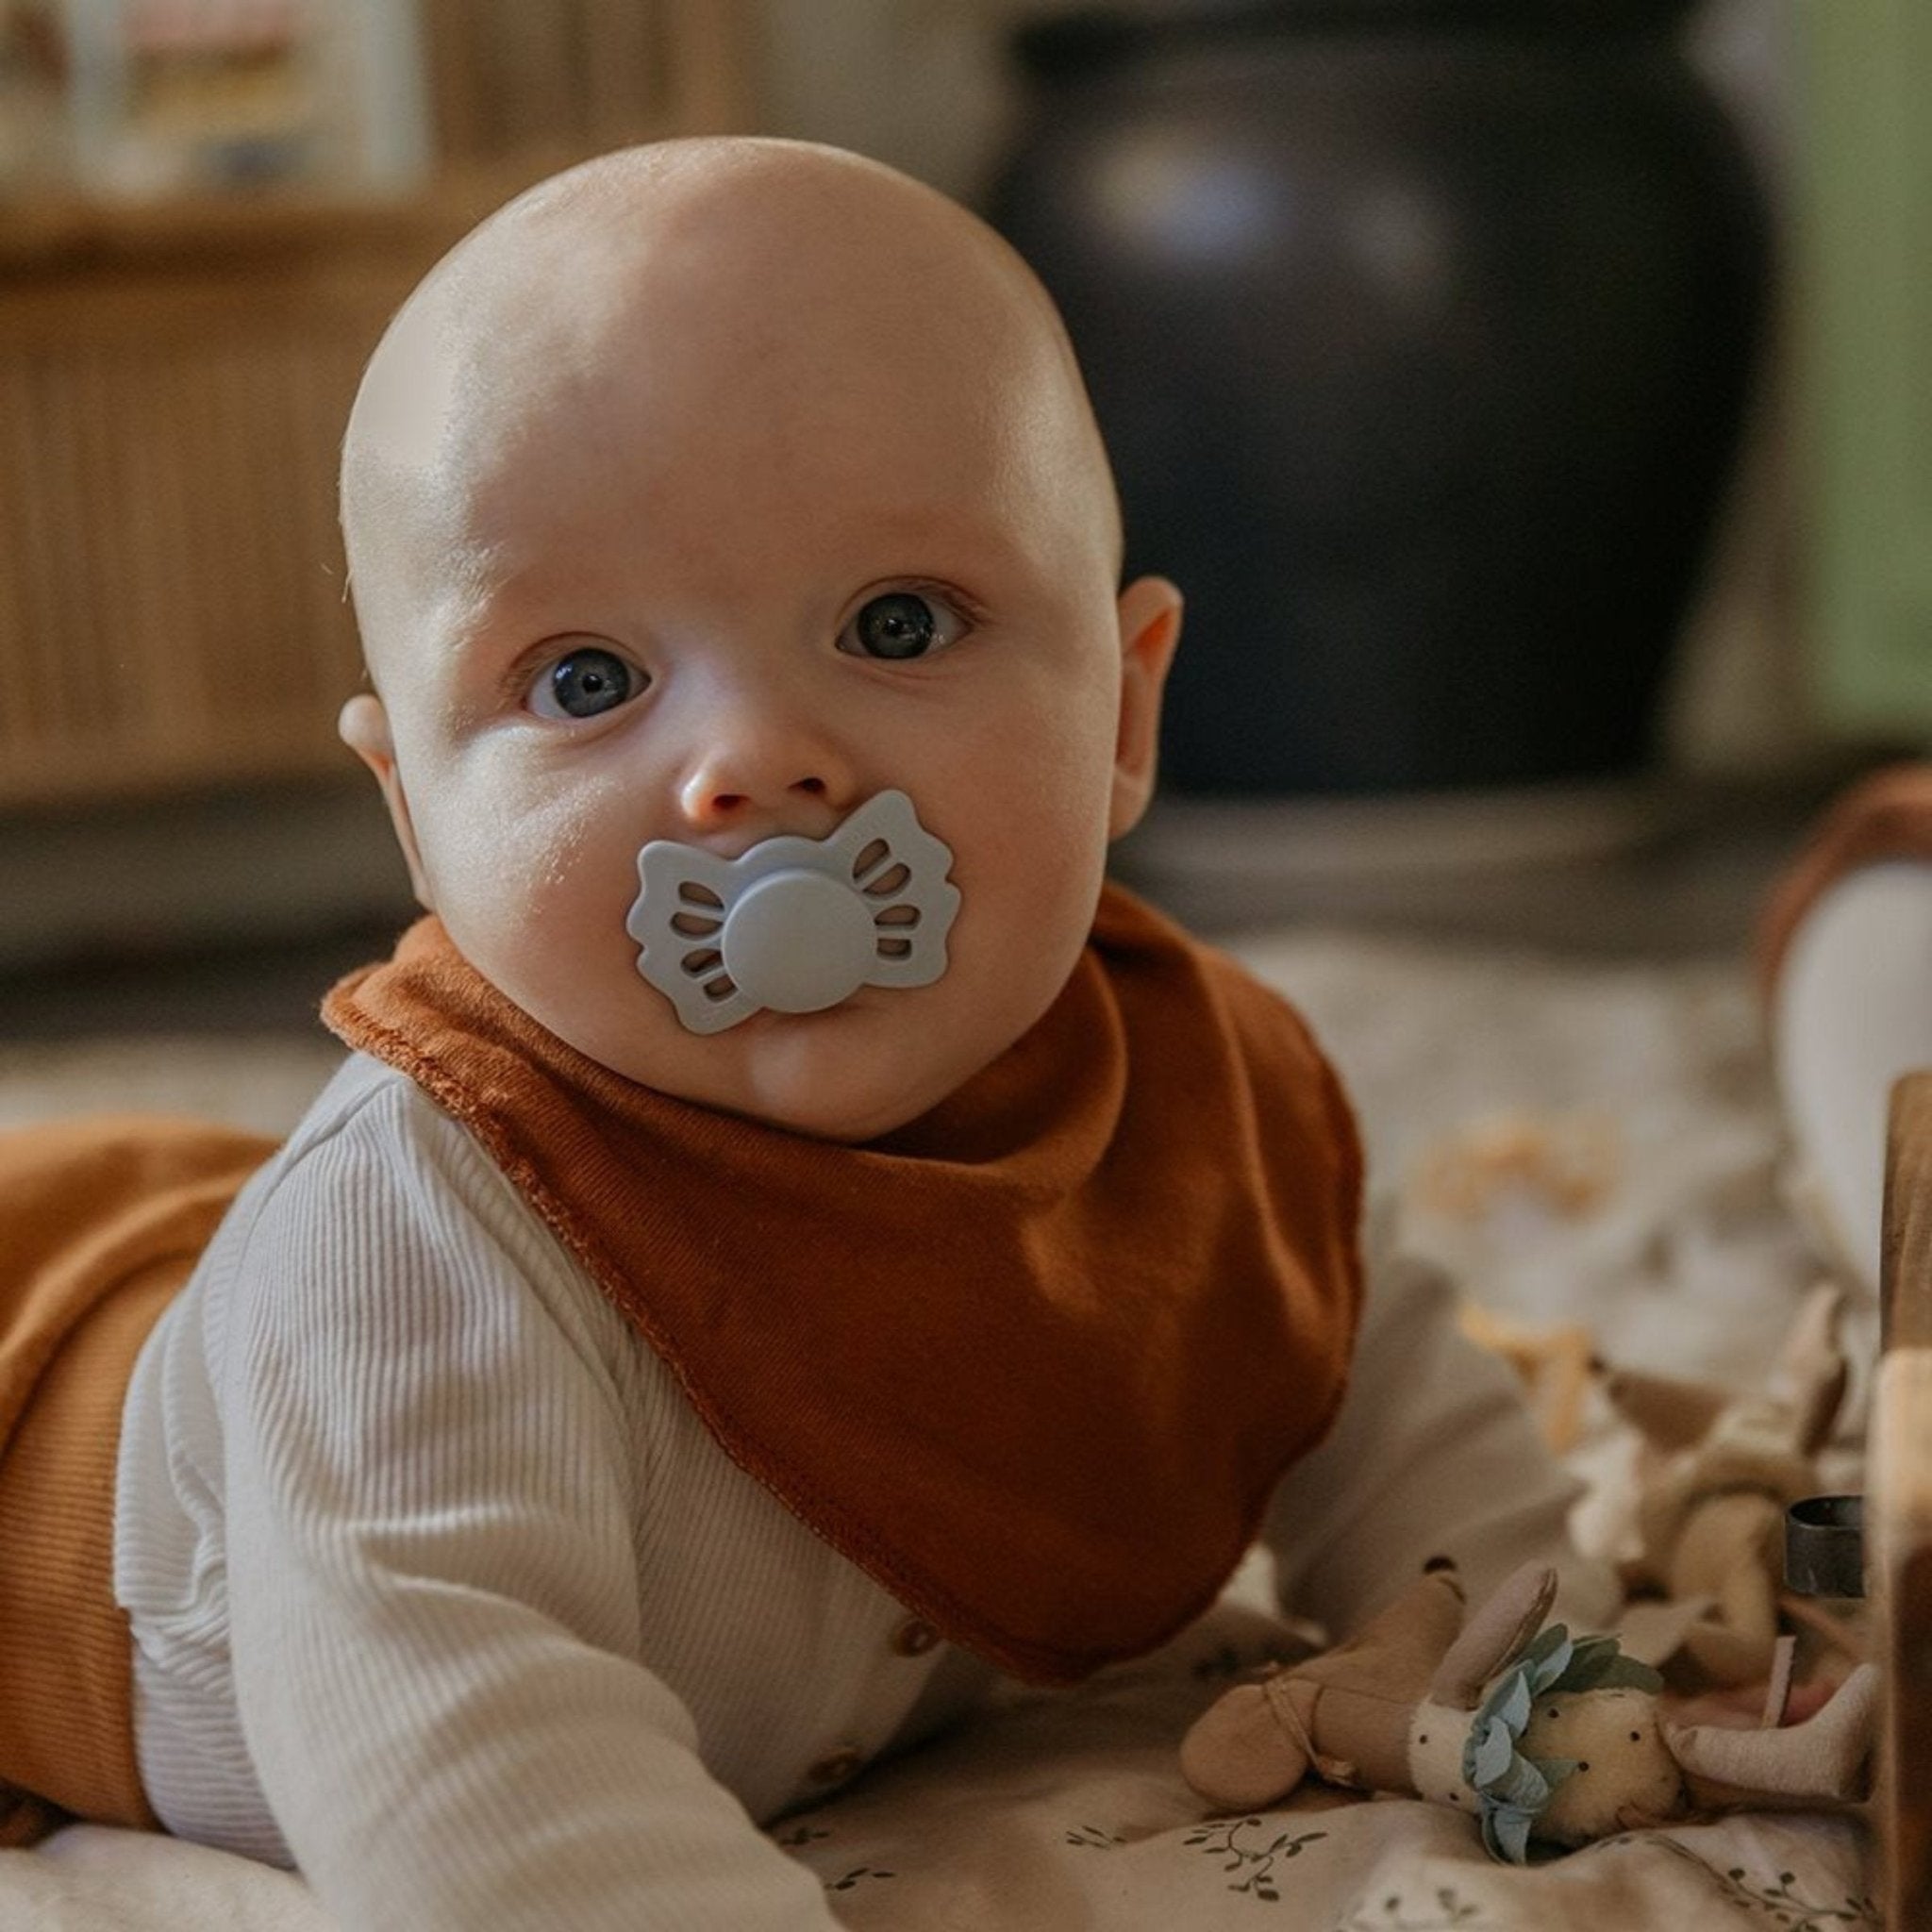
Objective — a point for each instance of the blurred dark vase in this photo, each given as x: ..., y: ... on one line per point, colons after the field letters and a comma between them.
x: 1421, y: 336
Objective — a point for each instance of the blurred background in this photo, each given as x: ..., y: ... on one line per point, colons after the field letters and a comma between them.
x: 1530, y: 395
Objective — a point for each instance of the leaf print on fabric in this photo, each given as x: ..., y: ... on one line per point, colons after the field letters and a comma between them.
x: 1796, y: 1914
x: 800, y: 1835
x: 1224, y: 1840
x: 1092, y: 1838
x: 1781, y: 1899
x: 855, y: 1878
x: 1447, y: 1911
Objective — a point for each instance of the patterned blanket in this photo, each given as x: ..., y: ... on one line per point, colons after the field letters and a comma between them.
x: 1589, y: 1148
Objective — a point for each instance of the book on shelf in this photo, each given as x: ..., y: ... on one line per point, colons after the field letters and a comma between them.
x: 144, y: 99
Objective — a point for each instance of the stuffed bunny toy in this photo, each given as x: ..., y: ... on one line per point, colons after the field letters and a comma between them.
x: 1719, y: 1471
x: 1540, y: 1737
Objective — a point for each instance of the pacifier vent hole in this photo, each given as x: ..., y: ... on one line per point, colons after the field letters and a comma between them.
x: 694, y: 894
x: 873, y: 854
x: 895, y: 949
x: 698, y: 964
x: 719, y: 989
x: 694, y: 925
x: 907, y: 916
x: 888, y: 883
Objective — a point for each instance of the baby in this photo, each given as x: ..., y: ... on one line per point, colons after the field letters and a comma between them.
x: 790, y: 1244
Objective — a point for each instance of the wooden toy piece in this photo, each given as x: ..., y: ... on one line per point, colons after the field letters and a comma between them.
x: 1554, y: 1364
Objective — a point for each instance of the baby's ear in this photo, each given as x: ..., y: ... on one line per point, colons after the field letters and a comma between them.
x: 364, y: 728
x: 1150, y: 627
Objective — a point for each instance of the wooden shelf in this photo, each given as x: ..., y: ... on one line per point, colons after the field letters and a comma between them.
x: 174, y: 381
x: 54, y: 236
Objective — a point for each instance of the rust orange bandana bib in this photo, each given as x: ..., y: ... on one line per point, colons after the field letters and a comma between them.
x: 1034, y: 1362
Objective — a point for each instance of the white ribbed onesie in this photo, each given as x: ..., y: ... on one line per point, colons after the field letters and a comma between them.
x: 440, y: 1591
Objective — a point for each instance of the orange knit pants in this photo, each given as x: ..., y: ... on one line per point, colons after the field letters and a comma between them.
x: 101, y: 1221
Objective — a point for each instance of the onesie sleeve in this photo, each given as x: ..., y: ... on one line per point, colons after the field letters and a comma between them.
x: 1434, y: 1452
x: 433, y: 1584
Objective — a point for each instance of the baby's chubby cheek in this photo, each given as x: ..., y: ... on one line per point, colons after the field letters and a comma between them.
x: 526, y: 884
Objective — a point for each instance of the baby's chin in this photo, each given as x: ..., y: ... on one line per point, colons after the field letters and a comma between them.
x: 850, y: 1074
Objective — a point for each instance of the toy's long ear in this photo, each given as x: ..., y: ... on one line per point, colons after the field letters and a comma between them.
x: 1811, y: 1372
x: 1495, y: 1633
x: 1667, y: 1412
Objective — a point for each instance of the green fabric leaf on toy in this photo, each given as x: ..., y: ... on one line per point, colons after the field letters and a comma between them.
x: 1598, y: 1664
x: 1506, y: 1834
x: 1511, y: 1789
x: 1491, y: 1748
x: 1548, y: 1657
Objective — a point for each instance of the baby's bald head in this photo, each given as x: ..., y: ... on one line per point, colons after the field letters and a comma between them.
x: 704, y: 493
x: 690, y: 295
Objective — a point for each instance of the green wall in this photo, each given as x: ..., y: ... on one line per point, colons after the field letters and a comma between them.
x: 1865, y: 294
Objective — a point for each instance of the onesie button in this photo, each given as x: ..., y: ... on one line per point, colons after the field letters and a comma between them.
x: 835, y: 1767
x: 914, y: 1637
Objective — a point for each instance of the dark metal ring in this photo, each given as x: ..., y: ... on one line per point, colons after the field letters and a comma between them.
x: 1824, y: 1546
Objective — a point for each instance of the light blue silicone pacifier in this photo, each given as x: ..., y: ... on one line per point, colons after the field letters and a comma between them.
x: 795, y: 925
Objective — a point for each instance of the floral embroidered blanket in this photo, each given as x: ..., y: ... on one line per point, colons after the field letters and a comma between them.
x: 1589, y: 1148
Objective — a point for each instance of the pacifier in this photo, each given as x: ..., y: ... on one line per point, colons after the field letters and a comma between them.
x: 795, y: 925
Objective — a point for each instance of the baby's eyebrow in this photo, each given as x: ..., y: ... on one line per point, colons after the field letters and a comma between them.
x: 475, y: 601
x: 479, y: 572
x: 469, y: 628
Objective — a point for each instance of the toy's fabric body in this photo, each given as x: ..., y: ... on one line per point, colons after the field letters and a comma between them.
x: 440, y: 1588
x: 1718, y: 1472
x: 1548, y: 1739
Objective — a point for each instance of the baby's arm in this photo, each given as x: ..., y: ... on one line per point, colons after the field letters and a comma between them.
x: 434, y: 1588
x: 1434, y: 1453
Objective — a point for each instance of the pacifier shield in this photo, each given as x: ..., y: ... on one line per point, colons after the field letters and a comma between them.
x: 795, y: 925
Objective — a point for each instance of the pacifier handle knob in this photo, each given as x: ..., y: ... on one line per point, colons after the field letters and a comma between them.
x: 798, y: 941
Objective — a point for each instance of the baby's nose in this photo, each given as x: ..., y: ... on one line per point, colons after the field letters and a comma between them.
x: 763, y: 766
x: 709, y: 801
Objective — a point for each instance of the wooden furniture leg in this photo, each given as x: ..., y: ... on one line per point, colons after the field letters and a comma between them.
x: 1899, y: 1511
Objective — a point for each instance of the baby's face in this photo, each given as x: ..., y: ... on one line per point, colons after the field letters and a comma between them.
x: 744, y: 536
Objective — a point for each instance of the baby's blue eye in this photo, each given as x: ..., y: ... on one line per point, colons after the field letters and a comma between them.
x: 584, y: 683
x: 901, y: 624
